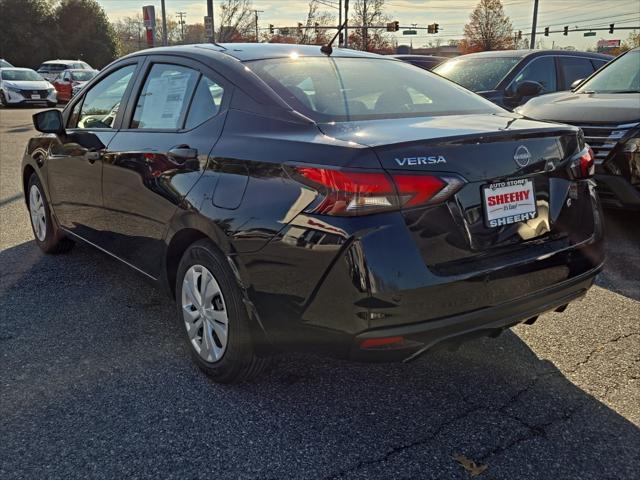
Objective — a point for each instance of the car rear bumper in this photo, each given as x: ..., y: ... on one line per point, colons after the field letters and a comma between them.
x: 617, y: 192
x: 418, y: 338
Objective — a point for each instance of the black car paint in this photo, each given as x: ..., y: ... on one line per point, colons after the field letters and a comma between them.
x: 320, y: 282
x: 502, y: 95
x: 427, y: 62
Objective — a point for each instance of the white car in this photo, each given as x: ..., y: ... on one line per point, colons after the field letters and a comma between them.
x: 52, y: 68
x: 23, y: 86
x: 4, y: 63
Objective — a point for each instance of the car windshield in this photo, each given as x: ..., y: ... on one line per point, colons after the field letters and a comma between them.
x: 83, y: 76
x: 620, y: 76
x: 21, y: 75
x: 478, y: 74
x: 336, y: 89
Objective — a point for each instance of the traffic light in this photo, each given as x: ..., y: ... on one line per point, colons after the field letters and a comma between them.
x: 393, y: 26
x: 316, y: 27
x: 611, y: 25
x: 433, y: 28
x: 566, y: 31
x: 519, y: 34
x: 546, y: 31
x: 271, y: 29
x: 300, y: 28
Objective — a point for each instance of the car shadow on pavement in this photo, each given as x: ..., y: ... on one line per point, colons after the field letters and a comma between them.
x: 96, y: 382
x: 622, y: 245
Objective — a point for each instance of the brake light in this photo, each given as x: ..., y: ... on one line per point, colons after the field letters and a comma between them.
x: 349, y: 192
x: 584, y: 166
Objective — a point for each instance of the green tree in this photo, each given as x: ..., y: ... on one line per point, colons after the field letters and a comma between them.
x: 27, y: 32
x: 488, y: 28
x: 84, y: 32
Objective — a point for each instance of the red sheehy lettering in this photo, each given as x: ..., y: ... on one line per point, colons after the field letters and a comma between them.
x: 508, y: 198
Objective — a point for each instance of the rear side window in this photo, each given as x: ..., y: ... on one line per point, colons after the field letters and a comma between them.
x: 334, y: 89
x: 206, y: 102
x: 574, y: 68
x: 165, y: 97
x: 541, y: 70
x: 598, y: 63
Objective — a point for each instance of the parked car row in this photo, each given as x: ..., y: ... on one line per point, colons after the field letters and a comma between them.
x: 55, y: 81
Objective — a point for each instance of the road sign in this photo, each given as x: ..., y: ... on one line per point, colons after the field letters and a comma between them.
x: 589, y: 34
x: 149, y: 16
x: 409, y: 32
x: 208, y: 26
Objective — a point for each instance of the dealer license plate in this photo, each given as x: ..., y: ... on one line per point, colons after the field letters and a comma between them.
x: 509, y: 202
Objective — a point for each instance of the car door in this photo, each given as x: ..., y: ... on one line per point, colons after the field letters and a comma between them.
x: 61, y: 83
x: 572, y: 69
x: 172, y: 124
x: 74, y: 164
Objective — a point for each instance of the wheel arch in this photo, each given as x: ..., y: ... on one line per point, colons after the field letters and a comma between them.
x: 27, y: 171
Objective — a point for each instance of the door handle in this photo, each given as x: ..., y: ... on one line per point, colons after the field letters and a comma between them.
x: 182, y: 153
x: 92, y: 157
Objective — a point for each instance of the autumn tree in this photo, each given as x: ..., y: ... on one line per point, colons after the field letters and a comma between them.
x: 488, y: 28
x: 323, y: 19
x: 368, y: 14
x: 237, y: 21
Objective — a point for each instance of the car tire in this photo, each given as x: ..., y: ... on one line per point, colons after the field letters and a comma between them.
x: 46, y: 233
x: 3, y: 99
x: 52, y: 104
x: 217, y: 330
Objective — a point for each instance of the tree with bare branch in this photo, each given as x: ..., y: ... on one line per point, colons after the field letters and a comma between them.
x: 236, y: 21
x: 488, y: 28
x: 369, y: 14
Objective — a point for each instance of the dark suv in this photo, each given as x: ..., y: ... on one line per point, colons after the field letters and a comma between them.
x: 349, y: 204
x: 511, y: 77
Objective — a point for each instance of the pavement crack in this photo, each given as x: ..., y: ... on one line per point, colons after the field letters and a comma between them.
x: 599, y: 348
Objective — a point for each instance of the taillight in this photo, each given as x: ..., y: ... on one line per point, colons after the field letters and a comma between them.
x: 351, y: 192
x: 583, y: 166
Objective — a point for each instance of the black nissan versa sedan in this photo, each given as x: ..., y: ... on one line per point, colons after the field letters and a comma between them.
x: 607, y: 108
x: 348, y: 204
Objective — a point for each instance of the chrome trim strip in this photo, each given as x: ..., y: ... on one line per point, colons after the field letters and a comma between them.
x: 109, y: 253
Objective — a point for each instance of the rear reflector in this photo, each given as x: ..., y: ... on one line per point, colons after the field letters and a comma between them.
x: 349, y: 192
x: 381, y: 342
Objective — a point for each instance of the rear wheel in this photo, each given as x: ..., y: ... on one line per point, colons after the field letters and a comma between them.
x: 47, y: 235
x: 213, y: 316
x: 3, y: 99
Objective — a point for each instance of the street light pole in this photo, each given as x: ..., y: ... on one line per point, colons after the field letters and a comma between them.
x: 212, y: 38
x: 164, y: 24
x: 346, y: 23
x: 532, y: 45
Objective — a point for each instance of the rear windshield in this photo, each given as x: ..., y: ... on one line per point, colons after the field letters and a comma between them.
x: 52, y: 67
x: 83, y: 76
x: 21, y: 75
x: 478, y: 74
x: 334, y: 89
x: 621, y: 76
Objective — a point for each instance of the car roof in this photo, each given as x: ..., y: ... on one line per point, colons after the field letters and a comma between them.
x: 532, y: 53
x: 407, y: 56
x: 63, y: 61
x: 257, y: 51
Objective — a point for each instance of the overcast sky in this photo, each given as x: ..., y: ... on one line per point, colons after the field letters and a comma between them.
x: 451, y: 15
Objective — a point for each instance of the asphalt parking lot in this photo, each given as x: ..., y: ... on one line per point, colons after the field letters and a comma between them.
x: 95, y: 382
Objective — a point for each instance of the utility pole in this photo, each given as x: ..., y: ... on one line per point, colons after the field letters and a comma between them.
x: 182, y: 16
x: 346, y: 23
x: 212, y: 38
x: 341, y: 39
x: 165, y: 42
x: 256, y: 14
x: 534, y: 24
x: 365, y: 30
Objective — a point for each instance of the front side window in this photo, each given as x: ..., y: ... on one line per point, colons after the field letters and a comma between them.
x: 346, y: 89
x: 619, y: 76
x: 574, y: 68
x: 100, y: 104
x: 541, y: 70
x: 478, y: 74
x: 164, y: 99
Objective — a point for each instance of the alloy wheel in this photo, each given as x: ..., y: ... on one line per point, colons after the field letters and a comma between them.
x: 38, y: 213
x: 205, y: 314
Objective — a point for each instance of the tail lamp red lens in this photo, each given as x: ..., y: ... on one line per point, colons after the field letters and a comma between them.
x: 349, y: 192
x: 584, y: 166
x: 382, y: 342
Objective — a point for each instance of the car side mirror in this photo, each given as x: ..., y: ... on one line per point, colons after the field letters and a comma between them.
x: 49, y: 121
x: 575, y: 84
x: 528, y: 88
